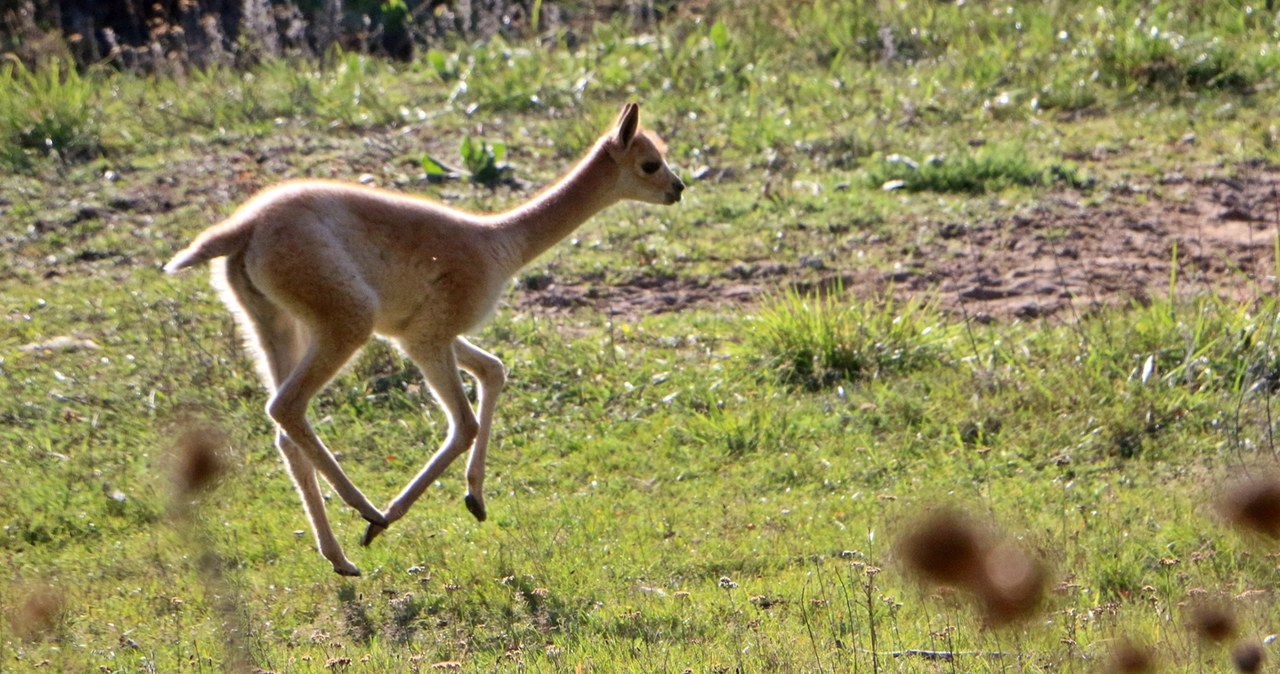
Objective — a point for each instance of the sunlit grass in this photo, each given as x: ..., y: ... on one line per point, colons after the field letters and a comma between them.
x: 716, y: 489
x: 674, y: 491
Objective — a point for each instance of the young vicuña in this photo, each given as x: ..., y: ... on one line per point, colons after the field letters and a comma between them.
x: 313, y: 269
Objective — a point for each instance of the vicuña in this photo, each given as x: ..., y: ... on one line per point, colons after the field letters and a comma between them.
x: 313, y: 269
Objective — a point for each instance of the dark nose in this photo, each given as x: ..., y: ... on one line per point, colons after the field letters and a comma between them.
x: 678, y: 186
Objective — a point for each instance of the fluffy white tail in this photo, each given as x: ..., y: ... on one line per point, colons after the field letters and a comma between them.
x: 219, y: 241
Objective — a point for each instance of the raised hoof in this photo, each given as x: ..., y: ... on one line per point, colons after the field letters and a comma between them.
x: 349, y: 570
x: 475, y: 506
x: 372, y: 532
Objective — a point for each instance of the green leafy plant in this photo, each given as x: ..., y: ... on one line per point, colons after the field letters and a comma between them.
x: 485, y: 161
x: 436, y: 170
x: 444, y: 65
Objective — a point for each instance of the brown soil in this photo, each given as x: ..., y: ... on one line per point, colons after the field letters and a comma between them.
x: 1068, y: 253
x: 1064, y: 255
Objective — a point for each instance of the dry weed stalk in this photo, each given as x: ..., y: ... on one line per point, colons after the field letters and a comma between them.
x: 1248, y: 657
x: 1012, y: 585
x: 197, y: 461
x: 1211, y: 621
x: 946, y: 548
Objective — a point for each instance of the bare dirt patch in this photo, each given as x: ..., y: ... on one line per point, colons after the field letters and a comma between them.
x: 1064, y: 255
x: 1070, y: 252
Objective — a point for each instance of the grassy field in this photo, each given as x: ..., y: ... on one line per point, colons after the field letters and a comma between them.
x: 721, y: 488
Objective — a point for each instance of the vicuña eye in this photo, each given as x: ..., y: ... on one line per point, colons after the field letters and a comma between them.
x: 651, y: 166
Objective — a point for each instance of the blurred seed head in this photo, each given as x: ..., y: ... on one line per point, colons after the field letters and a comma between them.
x: 1247, y: 656
x: 1253, y: 504
x: 37, y: 612
x: 1129, y: 657
x: 1212, y: 621
x: 199, y: 459
x: 1013, y: 586
x: 946, y: 548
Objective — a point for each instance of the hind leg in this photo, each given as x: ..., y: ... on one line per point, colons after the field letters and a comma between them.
x: 279, y: 342
x: 304, y: 478
x: 303, y: 471
x: 325, y: 355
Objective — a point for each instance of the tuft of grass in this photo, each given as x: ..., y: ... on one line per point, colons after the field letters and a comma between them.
x: 1207, y: 344
x: 500, y: 77
x: 1142, y: 57
x: 987, y: 170
x: 818, y: 340
x: 49, y: 110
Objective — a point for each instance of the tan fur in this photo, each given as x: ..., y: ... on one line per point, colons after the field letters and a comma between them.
x: 314, y: 268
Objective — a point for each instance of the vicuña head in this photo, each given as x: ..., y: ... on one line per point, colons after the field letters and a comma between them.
x: 313, y: 269
x: 644, y: 174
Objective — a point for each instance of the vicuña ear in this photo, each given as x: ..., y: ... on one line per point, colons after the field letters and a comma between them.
x: 628, y: 123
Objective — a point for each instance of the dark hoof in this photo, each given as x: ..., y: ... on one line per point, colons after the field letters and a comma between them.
x: 475, y: 506
x: 372, y: 532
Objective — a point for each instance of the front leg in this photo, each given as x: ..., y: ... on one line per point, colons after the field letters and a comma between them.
x: 491, y: 376
x: 439, y: 366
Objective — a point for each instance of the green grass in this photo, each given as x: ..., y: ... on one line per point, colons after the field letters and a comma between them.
x: 634, y: 472
x: 710, y: 489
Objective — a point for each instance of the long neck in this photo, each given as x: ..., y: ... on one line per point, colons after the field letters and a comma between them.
x: 536, y: 226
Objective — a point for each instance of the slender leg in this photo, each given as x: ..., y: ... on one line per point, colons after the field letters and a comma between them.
x: 304, y: 478
x: 281, y: 348
x: 492, y: 376
x: 280, y: 342
x: 288, y: 407
x: 439, y: 366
